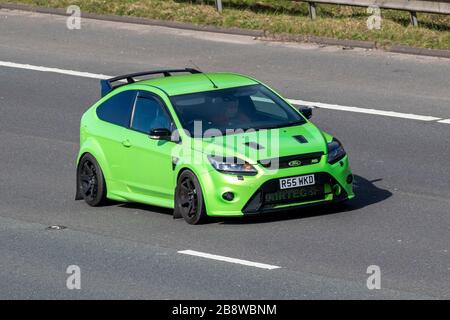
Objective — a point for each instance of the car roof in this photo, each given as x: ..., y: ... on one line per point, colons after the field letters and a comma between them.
x: 193, y: 83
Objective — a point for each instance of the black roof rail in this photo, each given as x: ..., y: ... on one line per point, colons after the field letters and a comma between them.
x: 107, y: 86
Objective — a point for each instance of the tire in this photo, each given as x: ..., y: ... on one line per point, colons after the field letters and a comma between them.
x: 189, y: 201
x: 91, y: 182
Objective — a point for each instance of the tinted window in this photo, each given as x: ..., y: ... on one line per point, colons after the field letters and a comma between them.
x: 117, y: 109
x: 268, y: 106
x: 248, y: 107
x: 149, y: 114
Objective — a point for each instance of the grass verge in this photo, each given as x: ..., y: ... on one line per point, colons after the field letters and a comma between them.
x: 278, y: 17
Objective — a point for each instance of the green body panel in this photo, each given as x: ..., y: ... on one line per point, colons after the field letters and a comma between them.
x: 270, y: 139
x: 144, y: 172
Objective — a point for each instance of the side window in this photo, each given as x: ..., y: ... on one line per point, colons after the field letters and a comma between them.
x: 117, y: 109
x: 268, y: 106
x: 149, y: 114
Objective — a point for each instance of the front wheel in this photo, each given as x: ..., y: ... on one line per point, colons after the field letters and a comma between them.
x: 189, y: 199
x: 91, y: 183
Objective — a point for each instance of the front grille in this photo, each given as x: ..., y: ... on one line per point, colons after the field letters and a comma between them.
x: 292, y: 161
x: 293, y: 195
x: 269, y: 195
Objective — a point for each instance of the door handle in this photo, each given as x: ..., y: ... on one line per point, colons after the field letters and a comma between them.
x: 126, y: 143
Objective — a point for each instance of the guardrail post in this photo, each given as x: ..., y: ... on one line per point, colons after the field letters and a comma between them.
x: 312, y: 10
x: 219, y: 6
x: 414, y: 20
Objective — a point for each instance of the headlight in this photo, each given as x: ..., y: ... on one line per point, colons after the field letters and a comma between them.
x: 232, y: 165
x: 335, y: 151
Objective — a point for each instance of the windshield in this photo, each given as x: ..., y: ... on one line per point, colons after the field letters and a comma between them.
x: 227, y: 110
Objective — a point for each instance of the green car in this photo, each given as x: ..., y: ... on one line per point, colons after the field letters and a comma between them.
x: 206, y: 144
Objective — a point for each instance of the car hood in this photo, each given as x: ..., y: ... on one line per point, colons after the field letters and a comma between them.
x: 265, y: 144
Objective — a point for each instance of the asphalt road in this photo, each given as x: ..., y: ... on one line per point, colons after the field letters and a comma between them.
x: 399, y: 221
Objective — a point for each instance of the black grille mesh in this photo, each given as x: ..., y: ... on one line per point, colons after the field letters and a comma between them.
x: 283, y: 162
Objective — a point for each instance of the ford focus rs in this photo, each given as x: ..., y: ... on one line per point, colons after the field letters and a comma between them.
x: 206, y: 144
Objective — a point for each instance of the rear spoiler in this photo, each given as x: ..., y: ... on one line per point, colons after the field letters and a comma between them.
x: 107, y: 85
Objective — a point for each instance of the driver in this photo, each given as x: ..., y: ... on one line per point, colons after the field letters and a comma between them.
x: 234, y: 115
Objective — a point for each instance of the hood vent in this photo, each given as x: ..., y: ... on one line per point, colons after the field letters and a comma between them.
x: 301, y: 139
x: 254, y: 145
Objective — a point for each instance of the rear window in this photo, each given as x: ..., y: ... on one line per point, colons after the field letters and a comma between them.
x: 117, y: 109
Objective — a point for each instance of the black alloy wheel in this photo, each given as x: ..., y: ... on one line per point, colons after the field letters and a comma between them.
x: 91, y: 182
x: 189, y: 199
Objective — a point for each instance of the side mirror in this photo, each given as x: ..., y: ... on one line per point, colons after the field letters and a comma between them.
x: 306, y: 111
x: 161, y: 134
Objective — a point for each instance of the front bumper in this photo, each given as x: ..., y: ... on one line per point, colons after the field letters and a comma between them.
x: 255, y: 194
x: 269, y: 198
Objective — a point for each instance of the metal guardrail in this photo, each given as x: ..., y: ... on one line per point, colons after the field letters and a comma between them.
x: 413, y: 6
x: 219, y: 5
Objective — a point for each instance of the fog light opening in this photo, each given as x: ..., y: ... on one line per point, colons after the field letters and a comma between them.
x: 228, y: 196
x: 337, y: 190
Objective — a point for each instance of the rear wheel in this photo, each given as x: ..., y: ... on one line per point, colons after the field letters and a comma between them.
x: 189, y: 199
x: 91, y: 183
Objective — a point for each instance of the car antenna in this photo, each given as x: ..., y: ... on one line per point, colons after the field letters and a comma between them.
x: 214, y: 85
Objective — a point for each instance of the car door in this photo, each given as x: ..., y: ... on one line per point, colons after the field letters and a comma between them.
x: 115, y: 114
x: 150, y: 169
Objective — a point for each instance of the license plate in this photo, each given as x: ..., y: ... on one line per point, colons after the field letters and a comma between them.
x: 295, y: 182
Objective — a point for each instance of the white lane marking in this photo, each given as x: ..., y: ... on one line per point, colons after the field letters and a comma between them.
x: 53, y: 70
x: 231, y: 260
x: 293, y: 101
x: 364, y: 110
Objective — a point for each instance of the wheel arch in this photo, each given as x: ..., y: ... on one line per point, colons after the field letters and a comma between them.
x: 197, y: 174
x: 90, y: 146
